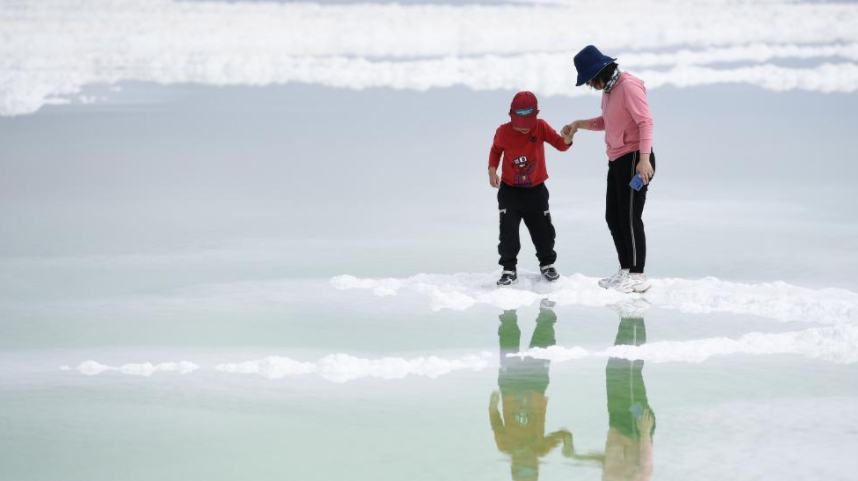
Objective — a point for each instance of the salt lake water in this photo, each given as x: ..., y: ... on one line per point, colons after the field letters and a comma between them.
x: 267, y: 252
x: 324, y: 379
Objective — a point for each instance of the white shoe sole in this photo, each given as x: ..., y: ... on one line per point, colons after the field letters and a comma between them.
x: 634, y: 289
x: 509, y: 285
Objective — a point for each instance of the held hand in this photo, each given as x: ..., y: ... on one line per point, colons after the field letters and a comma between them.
x: 569, y: 129
x: 568, y: 444
x: 645, y: 170
x: 494, y: 180
x: 493, y: 401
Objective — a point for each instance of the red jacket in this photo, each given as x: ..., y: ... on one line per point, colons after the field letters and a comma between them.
x: 524, y: 154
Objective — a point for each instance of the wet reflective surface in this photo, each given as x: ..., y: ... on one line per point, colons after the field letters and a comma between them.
x: 426, y: 412
x: 520, y: 429
x: 169, y: 309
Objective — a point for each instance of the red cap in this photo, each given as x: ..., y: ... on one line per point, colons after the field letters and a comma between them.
x: 523, y: 110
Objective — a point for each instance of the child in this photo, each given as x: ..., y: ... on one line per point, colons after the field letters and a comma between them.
x: 521, y: 189
x: 519, y: 426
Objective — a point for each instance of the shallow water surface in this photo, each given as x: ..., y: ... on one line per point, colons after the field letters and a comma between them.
x: 383, y: 395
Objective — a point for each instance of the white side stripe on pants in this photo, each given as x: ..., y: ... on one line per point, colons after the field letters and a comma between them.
x: 632, y: 212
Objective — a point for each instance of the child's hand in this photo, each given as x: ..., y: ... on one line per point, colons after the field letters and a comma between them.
x: 494, y: 180
x: 569, y: 130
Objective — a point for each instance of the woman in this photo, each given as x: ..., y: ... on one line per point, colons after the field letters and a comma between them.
x: 628, y: 134
x: 631, y: 421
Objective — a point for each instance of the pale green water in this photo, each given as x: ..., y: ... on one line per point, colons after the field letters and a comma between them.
x: 205, y: 227
x: 197, y: 227
x: 737, y: 416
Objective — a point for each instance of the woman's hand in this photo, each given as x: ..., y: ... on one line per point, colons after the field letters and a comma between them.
x: 569, y: 130
x: 494, y: 180
x: 645, y: 169
x: 645, y: 423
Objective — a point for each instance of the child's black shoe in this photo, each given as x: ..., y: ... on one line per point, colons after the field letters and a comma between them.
x: 550, y: 273
x: 507, y: 278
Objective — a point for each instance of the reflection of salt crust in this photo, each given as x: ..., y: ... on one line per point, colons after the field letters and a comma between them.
x: 272, y: 367
x: 54, y: 49
x: 775, y: 300
x: 554, y: 353
x: 836, y: 344
x: 343, y: 367
x: 93, y: 368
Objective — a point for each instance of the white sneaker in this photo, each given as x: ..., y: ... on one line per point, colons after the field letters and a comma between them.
x: 631, y: 308
x: 633, y: 283
x: 615, y: 279
x: 546, y: 303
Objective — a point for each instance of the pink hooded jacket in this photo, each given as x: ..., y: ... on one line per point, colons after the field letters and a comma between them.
x: 625, y: 117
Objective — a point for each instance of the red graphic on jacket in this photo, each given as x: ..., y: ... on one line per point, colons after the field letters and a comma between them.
x: 524, y: 154
x: 523, y: 171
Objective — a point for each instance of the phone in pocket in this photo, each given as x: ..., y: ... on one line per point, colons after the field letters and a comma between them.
x: 637, y: 182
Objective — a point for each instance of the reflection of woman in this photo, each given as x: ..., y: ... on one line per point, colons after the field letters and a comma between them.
x: 520, y: 431
x: 628, y: 450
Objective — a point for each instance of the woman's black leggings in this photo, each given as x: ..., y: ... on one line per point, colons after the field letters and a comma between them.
x: 623, y: 210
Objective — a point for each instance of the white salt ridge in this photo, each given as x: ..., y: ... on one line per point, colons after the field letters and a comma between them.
x: 758, y: 52
x: 838, y: 344
x: 777, y: 300
x: 146, y: 369
x: 343, y: 367
x: 54, y: 48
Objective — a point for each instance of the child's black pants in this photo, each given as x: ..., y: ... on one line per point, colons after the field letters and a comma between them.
x: 531, y: 205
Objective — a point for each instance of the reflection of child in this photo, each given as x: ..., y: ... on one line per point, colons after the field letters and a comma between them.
x: 520, y: 432
x: 522, y: 194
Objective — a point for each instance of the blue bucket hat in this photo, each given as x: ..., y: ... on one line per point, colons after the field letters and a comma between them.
x: 589, y: 62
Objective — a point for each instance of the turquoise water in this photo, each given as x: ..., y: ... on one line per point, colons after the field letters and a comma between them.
x: 214, y: 265
x: 195, y: 286
x: 776, y: 416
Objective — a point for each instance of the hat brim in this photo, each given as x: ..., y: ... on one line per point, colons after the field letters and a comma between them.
x: 589, y: 74
x: 528, y: 122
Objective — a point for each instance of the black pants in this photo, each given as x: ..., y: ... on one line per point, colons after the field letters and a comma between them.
x: 526, y: 374
x: 627, y: 397
x: 623, y: 210
x: 530, y: 204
